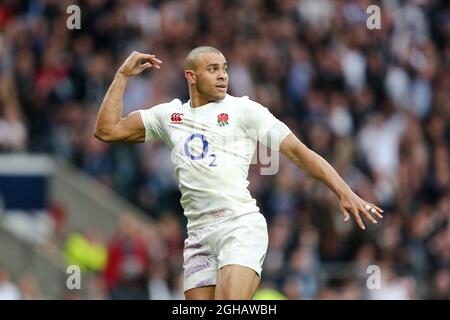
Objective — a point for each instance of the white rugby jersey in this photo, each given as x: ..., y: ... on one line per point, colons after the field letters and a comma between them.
x: 211, y: 148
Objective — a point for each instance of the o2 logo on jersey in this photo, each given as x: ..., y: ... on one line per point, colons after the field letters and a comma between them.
x: 203, y: 154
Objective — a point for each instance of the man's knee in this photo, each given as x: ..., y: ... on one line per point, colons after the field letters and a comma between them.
x: 236, y: 282
x: 203, y: 293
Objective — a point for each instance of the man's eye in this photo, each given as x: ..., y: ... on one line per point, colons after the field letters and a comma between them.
x: 212, y: 69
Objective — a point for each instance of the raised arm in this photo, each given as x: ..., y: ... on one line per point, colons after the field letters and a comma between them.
x: 111, y: 126
x: 320, y: 169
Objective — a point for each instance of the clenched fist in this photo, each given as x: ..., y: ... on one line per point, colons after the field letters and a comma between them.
x: 133, y: 64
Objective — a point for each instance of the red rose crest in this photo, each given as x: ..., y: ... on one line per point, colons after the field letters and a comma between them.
x: 222, y: 119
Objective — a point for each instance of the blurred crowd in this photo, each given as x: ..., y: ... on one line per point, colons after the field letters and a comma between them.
x: 25, y: 288
x: 374, y: 103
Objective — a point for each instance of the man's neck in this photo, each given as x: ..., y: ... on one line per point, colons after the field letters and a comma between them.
x: 198, y: 101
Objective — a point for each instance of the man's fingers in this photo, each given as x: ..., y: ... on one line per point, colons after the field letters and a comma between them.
x: 154, y: 63
x: 146, y: 65
x: 150, y: 58
x: 156, y: 60
x: 373, y: 209
x: 377, y: 211
x: 138, y: 62
x: 358, y: 218
x: 138, y: 56
x: 368, y: 215
x: 346, y: 214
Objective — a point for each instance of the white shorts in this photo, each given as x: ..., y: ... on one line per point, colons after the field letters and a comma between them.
x: 241, y: 241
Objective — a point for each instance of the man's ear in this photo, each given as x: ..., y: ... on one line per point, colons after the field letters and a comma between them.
x: 190, y: 76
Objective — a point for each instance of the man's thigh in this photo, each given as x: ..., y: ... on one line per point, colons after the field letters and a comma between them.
x: 240, y: 259
x: 203, y: 293
x: 232, y: 254
x: 235, y: 282
x: 200, y: 262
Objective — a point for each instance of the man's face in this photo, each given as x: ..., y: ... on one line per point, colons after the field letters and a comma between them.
x: 211, y: 76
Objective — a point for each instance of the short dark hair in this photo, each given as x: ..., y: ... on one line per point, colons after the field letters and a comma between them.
x: 192, y: 56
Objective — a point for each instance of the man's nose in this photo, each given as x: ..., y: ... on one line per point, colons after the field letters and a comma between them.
x: 221, y: 75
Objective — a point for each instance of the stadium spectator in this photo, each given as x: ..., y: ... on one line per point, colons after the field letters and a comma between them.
x: 8, y: 290
x: 375, y: 103
x: 128, y: 262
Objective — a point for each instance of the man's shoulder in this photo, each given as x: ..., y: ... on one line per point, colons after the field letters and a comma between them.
x: 165, y: 107
x: 231, y: 98
x: 174, y: 103
x: 243, y: 101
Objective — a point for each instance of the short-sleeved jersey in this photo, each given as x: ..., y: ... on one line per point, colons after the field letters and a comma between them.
x: 211, y: 147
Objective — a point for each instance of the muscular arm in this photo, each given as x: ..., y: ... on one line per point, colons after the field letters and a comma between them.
x: 321, y: 170
x: 312, y: 163
x: 111, y: 126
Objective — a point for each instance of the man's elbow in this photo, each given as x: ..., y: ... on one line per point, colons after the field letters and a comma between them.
x: 103, y: 135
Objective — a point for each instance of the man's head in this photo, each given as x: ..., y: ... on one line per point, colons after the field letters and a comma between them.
x: 205, y: 69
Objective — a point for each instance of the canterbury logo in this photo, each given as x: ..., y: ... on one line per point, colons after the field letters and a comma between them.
x: 176, y: 117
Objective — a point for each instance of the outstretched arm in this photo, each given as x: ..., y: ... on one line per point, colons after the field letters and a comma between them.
x: 110, y: 125
x: 320, y: 169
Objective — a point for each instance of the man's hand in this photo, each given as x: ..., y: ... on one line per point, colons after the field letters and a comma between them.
x: 349, y: 202
x: 133, y: 64
x: 111, y: 126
